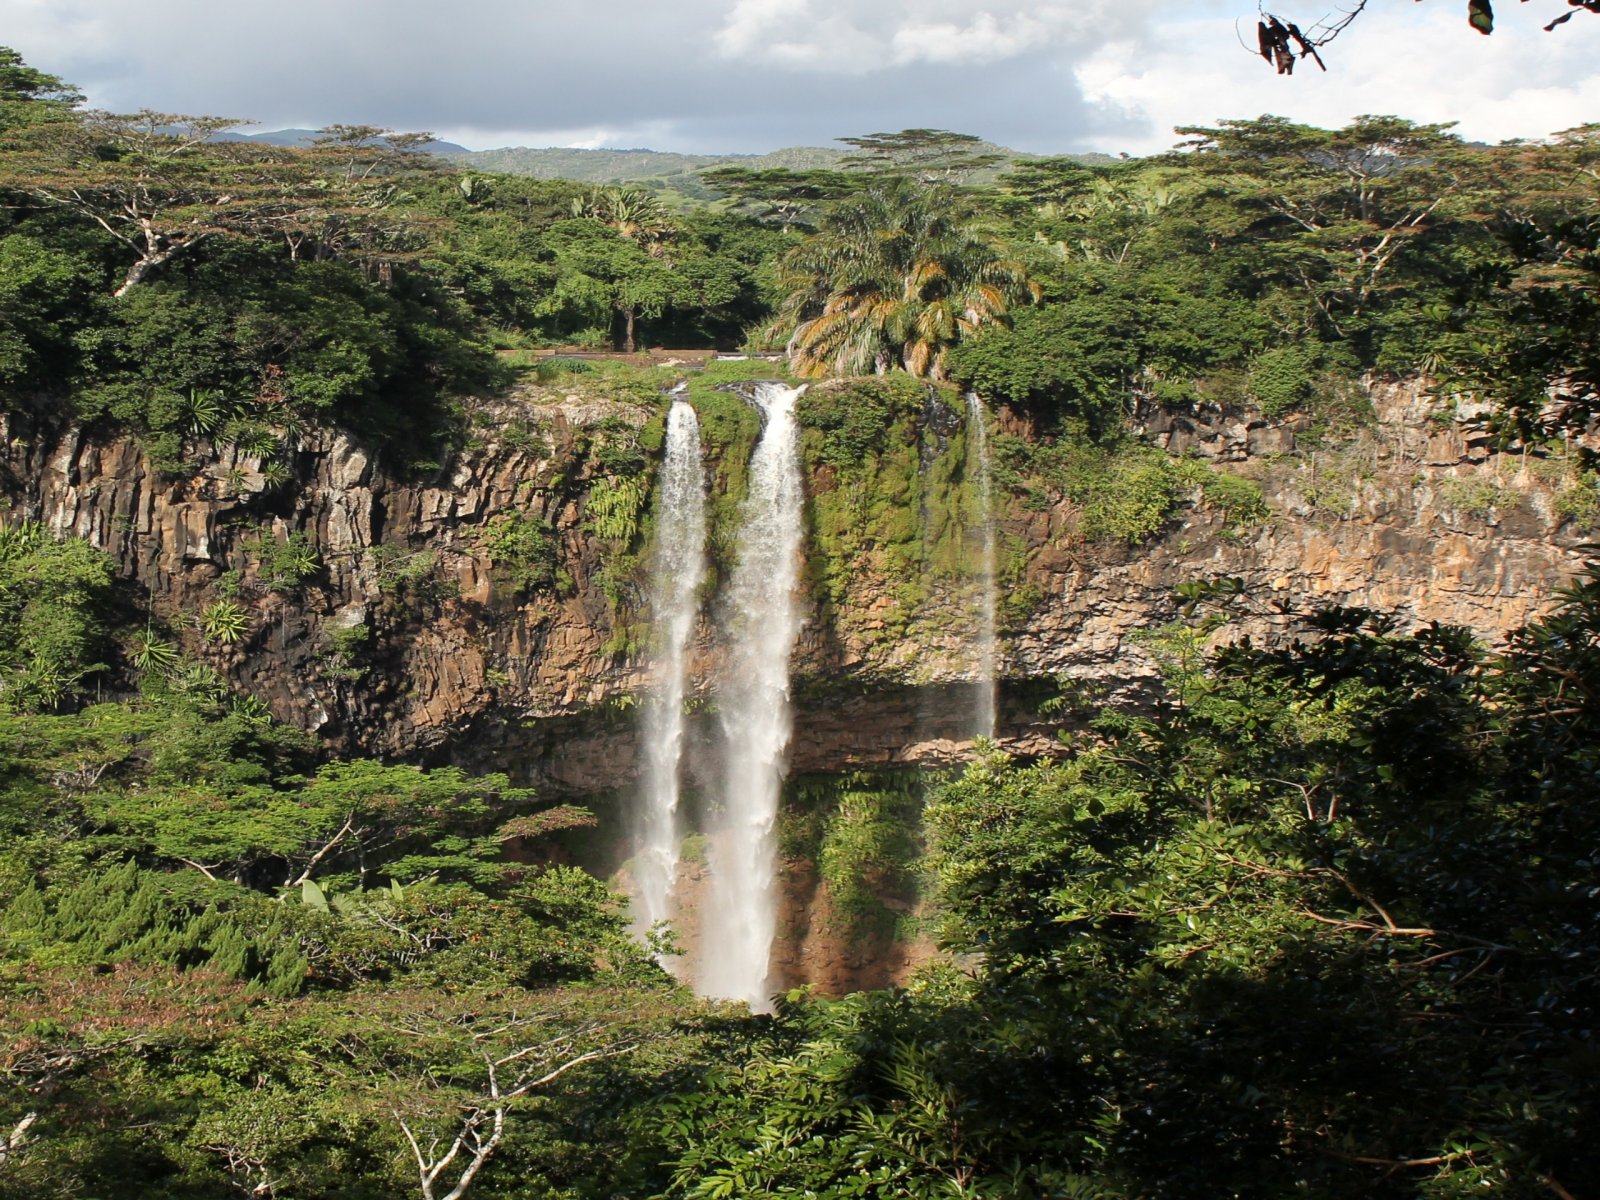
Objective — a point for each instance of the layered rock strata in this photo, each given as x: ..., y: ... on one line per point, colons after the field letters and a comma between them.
x: 1412, y: 514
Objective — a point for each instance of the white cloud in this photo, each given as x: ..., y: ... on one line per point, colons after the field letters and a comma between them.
x: 843, y: 37
x: 792, y: 34
x: 1048, y: 76
x: 1420, y: 62
x: 985, y: 39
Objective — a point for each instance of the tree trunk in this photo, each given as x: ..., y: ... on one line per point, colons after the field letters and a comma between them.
x: 136, y: 274
x: 150, y: 261
x: 628, y: 315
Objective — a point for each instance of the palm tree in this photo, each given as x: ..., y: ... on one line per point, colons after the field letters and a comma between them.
x: 632, y: 212
x: 895, y: 276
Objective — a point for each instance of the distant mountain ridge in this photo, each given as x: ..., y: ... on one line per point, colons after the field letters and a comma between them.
x: 305, y: 137
x: 617, y: 166
x: 665, y: 170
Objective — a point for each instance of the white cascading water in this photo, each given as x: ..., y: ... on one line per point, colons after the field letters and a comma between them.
x: 741, y: 917
x: 677, y: 565
x: 984, y: 635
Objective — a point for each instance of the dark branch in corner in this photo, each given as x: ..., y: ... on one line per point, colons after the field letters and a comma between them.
x: 1274, y: 37
x: 1281, y: 42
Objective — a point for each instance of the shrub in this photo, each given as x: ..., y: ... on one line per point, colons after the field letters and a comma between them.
x: 613, y: 507
x: 853, y: 416
x: 1131, y: 500
x: 224, y: 621
x: 1579, y: 501
x: 283, y: 566
x: 1281, y: 378
x: 52, y: 595
x: 1476, y: 497
x: 522, y: 550
x: 1239, y: 499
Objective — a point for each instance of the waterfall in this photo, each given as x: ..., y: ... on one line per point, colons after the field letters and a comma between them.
x: 677, y: 565
x: 984, y: 635
x: 753, y: 700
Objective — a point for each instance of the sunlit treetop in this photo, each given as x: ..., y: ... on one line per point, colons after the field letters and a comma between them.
x: 28, y: 96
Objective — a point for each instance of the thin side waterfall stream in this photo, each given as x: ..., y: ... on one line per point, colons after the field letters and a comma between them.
x: 753, y: 700
x: 677, y: 566
x: 984, y: 635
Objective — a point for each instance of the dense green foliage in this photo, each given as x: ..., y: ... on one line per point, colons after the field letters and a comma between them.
x: 893, y: 277
x: 1319, y: 921
x: 53, y: 596
x: 204, y: 924
x: 356, y: 282
x: 1322, y: 925
x: 1249, y: 943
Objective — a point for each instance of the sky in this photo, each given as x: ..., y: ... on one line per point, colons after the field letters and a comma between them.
x: 746, y: 76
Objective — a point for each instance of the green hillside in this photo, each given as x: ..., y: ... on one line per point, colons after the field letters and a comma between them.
x: 667, y: 171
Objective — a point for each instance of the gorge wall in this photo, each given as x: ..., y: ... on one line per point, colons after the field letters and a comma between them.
x: 1412, y: 514
x: 409, y: 640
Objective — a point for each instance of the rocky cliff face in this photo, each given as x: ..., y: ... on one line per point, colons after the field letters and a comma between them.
x: 408, y: 641
x: 1412, y: 514
x: 417, y: 636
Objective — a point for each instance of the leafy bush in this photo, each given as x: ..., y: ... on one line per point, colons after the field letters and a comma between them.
x: 1281, y: 378
x: 1123, y: 494
x: 398, y: 570
x: 861, y: 831
x: 1129, y: 500
x: 1074, y: 360
x: 1239, y: 499
x: 235, y: 336
x: 283, y: 566
x: 613, y: 506
x: 1476, y: 497
x: 41, y: 307
x: 224, y: 621
x: 124, y: 914
x: 522, y: 550
x: 1579, y: 501
x: 855, y: 416
x: 1081, y: 358
x: 53, y: 600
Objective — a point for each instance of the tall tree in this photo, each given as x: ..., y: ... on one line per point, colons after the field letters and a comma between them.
x: 632, y: 212
x: 161, y: 186
x: 28, y: 97
x: 608, y: 277
x: 931, y: 155
x: 155, y: 182
x: 1351, y: 200
x: 641, y: 219
x: 895, y: 277
x: 782, y: 196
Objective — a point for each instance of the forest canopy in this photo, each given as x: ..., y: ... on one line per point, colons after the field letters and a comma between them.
x: 1317, y: 918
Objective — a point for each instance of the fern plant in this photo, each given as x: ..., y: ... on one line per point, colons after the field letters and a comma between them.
x: 613, y: 508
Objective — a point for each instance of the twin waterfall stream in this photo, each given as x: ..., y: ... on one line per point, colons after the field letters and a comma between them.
x: 676, y: 568
x: 762, y: 619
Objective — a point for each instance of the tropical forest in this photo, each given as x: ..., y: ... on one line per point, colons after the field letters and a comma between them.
x: 899, y: 670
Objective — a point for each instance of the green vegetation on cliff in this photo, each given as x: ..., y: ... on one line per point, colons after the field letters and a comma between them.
x: 1320, y: 920
x: 1253, y: 943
